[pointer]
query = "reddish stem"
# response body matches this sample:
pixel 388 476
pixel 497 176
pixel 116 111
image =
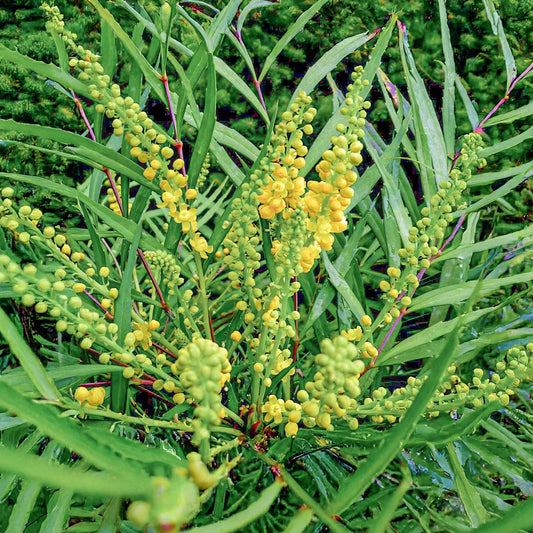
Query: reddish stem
pixel 95 384
pixel 168 352
pixel 164 305
pixel 107 314
pixel 514 81
pixel 164 79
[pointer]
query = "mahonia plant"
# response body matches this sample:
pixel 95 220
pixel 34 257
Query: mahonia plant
pixel 277 228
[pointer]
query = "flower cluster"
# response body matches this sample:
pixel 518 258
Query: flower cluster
pixel 430 229
pixel 335 385
pixel 203 369
pixel 330 196
pixel 283 188
pixel 165 262
pixel 150 144
pixel 94 397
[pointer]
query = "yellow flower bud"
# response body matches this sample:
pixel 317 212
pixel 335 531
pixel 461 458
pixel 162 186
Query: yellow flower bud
pixel 81 394
pixel 78 287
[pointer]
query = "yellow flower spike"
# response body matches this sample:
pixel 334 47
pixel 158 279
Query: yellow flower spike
pixel 191 194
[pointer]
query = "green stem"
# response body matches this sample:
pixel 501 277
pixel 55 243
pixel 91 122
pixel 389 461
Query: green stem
pixel 208 330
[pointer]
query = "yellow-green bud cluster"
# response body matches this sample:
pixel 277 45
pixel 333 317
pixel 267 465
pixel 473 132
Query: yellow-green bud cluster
pixel 173 504
pixel 278 410
pixel 335 385
pixel 273 365
pixel 454 394
pixel 291 235
pixel 166 263
pixel 58 297
pixel 203 369
pixel 89 65
pixel 243 240
pixel 430 229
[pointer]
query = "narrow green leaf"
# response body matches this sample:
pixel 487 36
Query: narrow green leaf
pixel 299 521
pixel 151 75
pixel 100 257
pixel 111 516
pixel 21 381
pixel 136 451
pixel 62 54
pixel 507 144
pixel 302 20
pixel 470 498
pixel 254 510
pixel 500 192
pixel 461 293
pixel 397 208
pixel 390 505
pixel 29 361
pixel 57 511
pixel 517 518
pixel 98 154
pixel 26 499
pixel 207 126
pixel 509 117
pixel 448 97
pixel 343 289
pixel 7 481
pixel 122 318
pixel 328 62
pixel 65 431
pixel 443 429
pixel 469 106
pixel 123 226
pixel 497 29
pixel 503 465
pixel 432 150
pixel 221 67
pixel 47 70
pixel 231 76
pixel 252 6
pixel 488 244
pixel 486 178
pixel 198 28
pixel 219 26
pixel 98 484
pixel 108 49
